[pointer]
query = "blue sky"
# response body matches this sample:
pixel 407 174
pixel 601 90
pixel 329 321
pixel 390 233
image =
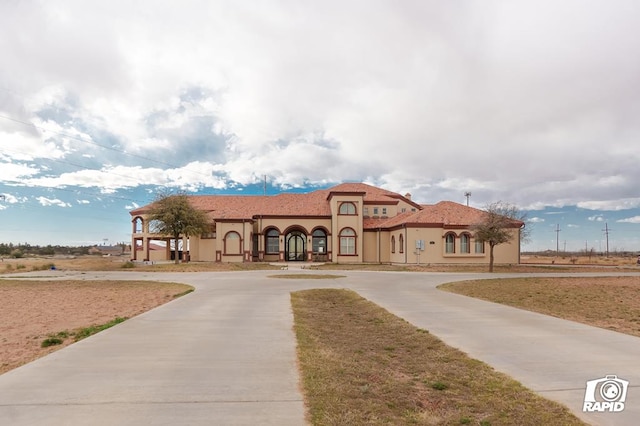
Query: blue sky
pixel 104 104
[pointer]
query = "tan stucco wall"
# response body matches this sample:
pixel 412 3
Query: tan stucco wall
pixel 507 253
pixel 371 246
pixel 347 221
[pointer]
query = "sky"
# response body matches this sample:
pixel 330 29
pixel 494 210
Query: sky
pixel 104 104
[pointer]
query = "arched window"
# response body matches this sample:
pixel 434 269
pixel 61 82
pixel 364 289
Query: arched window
pixel 393 244
pixel 319 241
pixel 272 241
pixel 347 208
pixel 479 246
pixel 137 225
pixel 450 243
pixel 401 242
pixel 232 243
pixel 465 243
pixel 347 242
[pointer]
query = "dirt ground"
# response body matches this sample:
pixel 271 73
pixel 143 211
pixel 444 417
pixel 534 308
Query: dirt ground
pixel 32 311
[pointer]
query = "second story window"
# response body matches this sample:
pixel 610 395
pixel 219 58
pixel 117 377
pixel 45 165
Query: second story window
pixel 347 208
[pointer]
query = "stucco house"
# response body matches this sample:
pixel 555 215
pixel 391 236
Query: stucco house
pixel 348 223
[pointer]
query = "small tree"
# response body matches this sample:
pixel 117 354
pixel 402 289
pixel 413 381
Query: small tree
pixel 172 214
pixel 497 226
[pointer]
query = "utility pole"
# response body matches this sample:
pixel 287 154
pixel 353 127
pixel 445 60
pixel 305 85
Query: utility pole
pixel 606 234
pixel 467 194
pixel 557 231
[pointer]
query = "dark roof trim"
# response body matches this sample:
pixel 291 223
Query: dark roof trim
pixel 350 193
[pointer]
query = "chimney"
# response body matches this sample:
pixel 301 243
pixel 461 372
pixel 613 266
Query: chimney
pixel 407 196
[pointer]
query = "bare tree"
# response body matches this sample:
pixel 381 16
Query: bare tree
pixel 497 226
pixel 172 214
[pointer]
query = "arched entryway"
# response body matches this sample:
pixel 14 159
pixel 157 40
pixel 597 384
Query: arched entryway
pixel 295 246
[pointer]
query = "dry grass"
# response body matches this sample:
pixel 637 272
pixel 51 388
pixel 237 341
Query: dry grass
pixel 307 276
pixel 115 263
pixel 566 259
pixel 607 302
pixel 522 268
pixel 362 365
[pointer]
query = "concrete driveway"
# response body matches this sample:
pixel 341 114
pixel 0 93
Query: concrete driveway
pixel 225 354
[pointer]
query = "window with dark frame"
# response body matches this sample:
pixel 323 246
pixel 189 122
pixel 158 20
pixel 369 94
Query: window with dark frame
pixel 450 243
pixel 272 241
pixel 465 243
pixel 319 241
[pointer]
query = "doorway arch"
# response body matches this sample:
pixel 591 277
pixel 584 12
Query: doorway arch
pixel 295 246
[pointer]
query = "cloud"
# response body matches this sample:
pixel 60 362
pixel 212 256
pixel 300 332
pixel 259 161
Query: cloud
pixel 634 219
pixel 596 218
pixel 421 97
pixel 15 172
pixel 132 206
pixel 52 202
pixel 611 205
pixel 83 201
pixel 12 199
pixel 536 219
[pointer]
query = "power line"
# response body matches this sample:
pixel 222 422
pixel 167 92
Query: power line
pixel 606 231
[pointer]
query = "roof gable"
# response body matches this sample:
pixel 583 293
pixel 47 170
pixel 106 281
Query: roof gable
pixel 371 194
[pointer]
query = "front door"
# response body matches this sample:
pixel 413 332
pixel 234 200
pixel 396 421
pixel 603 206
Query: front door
pixel 295 246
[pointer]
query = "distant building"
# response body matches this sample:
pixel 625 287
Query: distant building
pixel 109 250
pixel 348 223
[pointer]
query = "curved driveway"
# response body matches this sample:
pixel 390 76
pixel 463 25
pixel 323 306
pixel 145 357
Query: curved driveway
pixel 225 354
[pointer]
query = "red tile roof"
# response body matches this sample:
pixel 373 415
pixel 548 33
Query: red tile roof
pixel 443 214
pixel 316 204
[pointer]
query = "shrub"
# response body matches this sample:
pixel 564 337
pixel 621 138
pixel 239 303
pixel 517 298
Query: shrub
pixel 51 341
pixel 89 331
pixel 45 267
pixel 128 265
pixel 439 386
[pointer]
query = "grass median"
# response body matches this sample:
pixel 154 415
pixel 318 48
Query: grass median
pixel 606 302
pixel 361 365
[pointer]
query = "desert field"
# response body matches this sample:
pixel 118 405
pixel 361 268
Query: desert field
pixel 34 311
